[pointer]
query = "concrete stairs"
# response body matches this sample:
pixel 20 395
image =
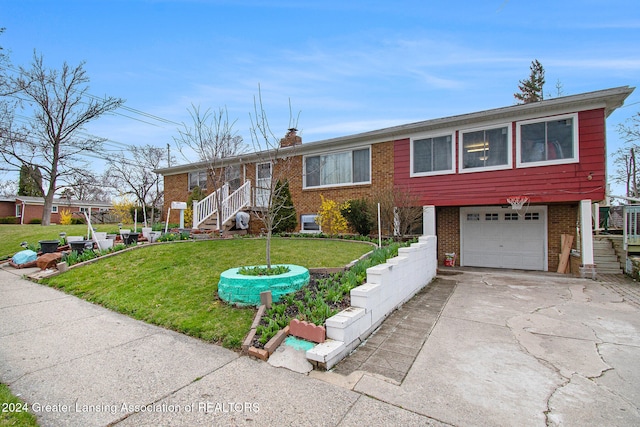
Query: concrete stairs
pixel 608 254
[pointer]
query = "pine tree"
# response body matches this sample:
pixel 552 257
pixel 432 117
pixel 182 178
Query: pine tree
pixel 531 89
pixel 30 183
pixel 286 220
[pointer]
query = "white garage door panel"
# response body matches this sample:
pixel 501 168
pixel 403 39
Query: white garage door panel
pixel 500 238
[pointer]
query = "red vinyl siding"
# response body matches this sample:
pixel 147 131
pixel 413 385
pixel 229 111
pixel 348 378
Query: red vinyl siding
pixel 543 184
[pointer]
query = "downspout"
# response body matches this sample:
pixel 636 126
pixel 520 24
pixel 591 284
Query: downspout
pixel 22 213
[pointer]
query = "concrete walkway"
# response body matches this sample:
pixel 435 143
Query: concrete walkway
pixel 509 348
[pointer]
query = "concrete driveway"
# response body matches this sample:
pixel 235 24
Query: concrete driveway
pixel 514 348
pixel 508 348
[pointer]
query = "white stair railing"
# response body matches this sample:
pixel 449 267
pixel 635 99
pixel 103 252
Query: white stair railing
pixel 231 204
pixel 235 202
pixel 208 206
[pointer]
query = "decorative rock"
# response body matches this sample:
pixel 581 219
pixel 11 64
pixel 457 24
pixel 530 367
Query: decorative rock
pixel 49 260
pixel 266 299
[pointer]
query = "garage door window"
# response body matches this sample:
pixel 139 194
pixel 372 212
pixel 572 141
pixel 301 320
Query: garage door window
pixel 511 217
pixel 491 217
pixel 473 217
pixel 532 216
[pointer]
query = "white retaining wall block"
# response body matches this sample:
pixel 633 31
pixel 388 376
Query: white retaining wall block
pixel 388 286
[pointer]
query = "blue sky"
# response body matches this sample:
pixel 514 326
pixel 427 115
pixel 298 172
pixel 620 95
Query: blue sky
pixel 345 66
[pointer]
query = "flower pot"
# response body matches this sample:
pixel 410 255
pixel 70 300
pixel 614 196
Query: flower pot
pixel 100 235
pixel 48 246
pixel 154 235
pixel 74 239
pixel 80 245
pixel 131 238
pixel 146 231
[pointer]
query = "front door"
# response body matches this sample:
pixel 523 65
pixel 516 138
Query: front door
pixel 263 184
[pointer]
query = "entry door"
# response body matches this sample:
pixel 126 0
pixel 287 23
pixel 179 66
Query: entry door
pixel 499 237
pixel 263 184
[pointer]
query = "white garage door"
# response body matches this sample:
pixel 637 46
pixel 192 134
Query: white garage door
pixel 500 237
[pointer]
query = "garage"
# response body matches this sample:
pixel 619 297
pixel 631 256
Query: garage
pixel 500 237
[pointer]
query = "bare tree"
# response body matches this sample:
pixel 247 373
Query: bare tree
pixel 211 136
pixel 83 186
pixel 133 173
pixel 400 210
pixel 626 157
pixel 60 106
pixel 277 160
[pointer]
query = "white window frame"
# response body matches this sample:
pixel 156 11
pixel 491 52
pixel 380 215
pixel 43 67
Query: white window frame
pixel 351 183
pixel 508 165
pixel 302 222
pixel 84 209
pixel 568 160
pixel 54 209
pixel 199 172
pixel 18 210
pixel 452 135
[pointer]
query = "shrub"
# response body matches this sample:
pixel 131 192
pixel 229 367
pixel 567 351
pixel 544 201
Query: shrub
pixel 264 271
pixel 76 221
pixel 358 216
pixel 65 217
pixel 329 217
pixel 285 220
pixel 35 221
pixel 9 220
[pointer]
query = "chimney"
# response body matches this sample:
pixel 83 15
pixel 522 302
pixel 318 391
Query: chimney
pixel 291 139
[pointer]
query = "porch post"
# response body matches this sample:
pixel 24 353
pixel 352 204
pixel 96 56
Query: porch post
pixel 429 220
pixel 586 234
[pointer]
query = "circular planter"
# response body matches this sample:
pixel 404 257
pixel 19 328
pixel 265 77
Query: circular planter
pixel 49 246
pixel 241 289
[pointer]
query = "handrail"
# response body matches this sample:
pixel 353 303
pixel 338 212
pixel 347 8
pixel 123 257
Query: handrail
pixel 231 204
pixel 235 202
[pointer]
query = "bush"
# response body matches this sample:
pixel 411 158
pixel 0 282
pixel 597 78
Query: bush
pixel 76 221
pixel 35 221
pixel 358 215
pixel 9 220
pixel 285 219
pixel 65 217
pixel 329 217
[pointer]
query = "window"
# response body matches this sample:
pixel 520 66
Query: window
pixel 18 211
pixel 308 224
pixel 84 209
pixel 432 155
pixel 232 177
pixel 532 216
pixel 54 209
pixel 473 217
pixel 548 142
pixel 486 149
pixel 491 217
pixel 511 216
pixel 347 167
pixel 198 179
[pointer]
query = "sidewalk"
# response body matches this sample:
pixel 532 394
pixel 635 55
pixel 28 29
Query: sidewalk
pixel 509 348
pixel 78 364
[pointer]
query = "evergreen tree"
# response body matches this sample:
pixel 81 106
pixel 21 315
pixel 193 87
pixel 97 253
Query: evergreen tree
pixel 286 219
pixel 531 89
pixel 30 183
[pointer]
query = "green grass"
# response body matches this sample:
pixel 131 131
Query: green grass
pixel 12 235
pixel 13 411
pixel 175 285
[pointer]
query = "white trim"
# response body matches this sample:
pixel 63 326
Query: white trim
pixel 508 165
pixel 302 230
pixel 568 160
pixel 54 209
pixel 344 184
pixel 419 137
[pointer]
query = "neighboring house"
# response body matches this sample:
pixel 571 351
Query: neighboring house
pixel 551 152
pixel 26 208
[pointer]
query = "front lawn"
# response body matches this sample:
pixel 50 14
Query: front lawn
pixel 175 285
pixel 12 235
